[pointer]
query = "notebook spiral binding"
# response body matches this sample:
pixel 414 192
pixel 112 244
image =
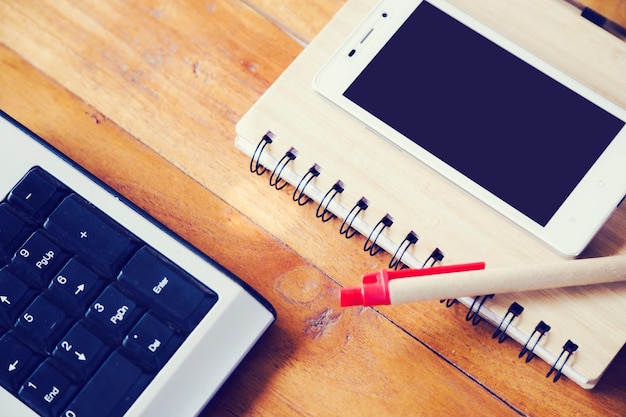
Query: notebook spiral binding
pixel 299 196
pixel 514 310
pixel 473 314
pixel 568 349
pixel 348 230
pixel 322 211
pixel 275 177
pixel 540 331
pixel 370 244
pixel 410 239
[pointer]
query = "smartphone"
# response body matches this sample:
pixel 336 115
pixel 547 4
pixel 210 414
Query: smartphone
pixel 520 135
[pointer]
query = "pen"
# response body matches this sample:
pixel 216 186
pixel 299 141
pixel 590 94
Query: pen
pixel 447 282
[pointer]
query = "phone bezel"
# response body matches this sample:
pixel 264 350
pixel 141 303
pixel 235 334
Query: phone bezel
pixel 585 210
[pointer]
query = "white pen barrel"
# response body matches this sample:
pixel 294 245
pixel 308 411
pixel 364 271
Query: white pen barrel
pixel 513 279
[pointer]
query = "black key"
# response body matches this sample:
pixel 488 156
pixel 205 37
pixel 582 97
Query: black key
pixel 80 351
pixel 89 233
pixel 13 231
pixel 37 260
pixel 166 288
pixel 36 194
pixel 17 361
pixel 113 313
pixel 14 296
pixel 152 342
pixel 47 390
pixel 41 325
pixel 75 287
pixel 111 391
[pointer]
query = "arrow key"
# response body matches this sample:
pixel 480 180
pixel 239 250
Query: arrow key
pixel 47 390
pixel 80 352
pixel 16 362
pixel 14 296
pixel 75 286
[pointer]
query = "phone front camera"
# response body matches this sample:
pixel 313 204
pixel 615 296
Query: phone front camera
pixel 384 14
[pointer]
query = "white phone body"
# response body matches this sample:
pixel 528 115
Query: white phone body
pixel 527 140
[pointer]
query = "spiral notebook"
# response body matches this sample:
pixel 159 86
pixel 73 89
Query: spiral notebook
pixel 296 139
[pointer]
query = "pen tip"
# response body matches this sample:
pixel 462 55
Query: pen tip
pixel 351 297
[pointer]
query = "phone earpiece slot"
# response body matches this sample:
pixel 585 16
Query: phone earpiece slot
pixel 367 35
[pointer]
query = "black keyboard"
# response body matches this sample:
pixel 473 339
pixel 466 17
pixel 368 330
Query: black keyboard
pixel 104 312
pixel 89 313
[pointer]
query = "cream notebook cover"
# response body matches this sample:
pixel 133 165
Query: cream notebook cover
pixel 330 158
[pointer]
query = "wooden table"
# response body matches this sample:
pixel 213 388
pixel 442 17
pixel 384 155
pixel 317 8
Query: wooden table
pixel 145 95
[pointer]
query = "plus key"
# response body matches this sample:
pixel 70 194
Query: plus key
pixel 89 233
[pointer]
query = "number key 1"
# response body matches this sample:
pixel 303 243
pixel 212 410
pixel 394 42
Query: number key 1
pixel 47 390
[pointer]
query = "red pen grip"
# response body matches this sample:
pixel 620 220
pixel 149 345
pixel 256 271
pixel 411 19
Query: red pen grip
pixel 374 289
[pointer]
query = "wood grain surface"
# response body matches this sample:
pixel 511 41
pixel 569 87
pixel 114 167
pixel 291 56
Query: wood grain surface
pixel 145 95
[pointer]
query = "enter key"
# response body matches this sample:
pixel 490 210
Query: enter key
pixel 166 289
